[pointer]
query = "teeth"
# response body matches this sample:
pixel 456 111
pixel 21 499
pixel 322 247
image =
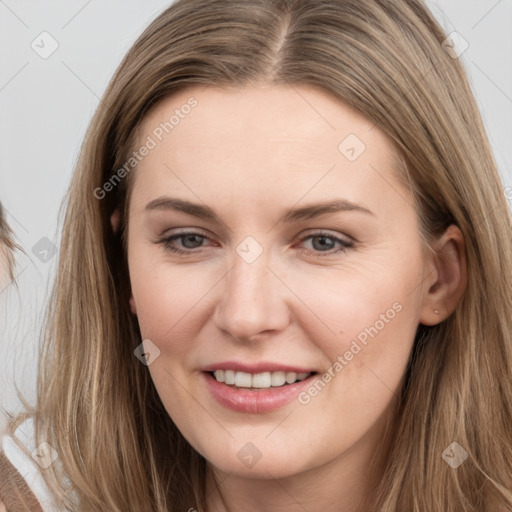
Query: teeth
pixel 243 380
pixel 229 376
pixel 277 378
pixel 258 380
pixel 291 377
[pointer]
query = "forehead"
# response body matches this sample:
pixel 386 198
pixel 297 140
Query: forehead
pixel 269 140
pixel 270 114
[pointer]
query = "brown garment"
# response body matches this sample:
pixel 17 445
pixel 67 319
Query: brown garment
pixel 15 494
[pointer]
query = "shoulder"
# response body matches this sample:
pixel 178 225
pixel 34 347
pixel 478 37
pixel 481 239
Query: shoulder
pixel 21 466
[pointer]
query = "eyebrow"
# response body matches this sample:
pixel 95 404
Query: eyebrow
pixel 308 212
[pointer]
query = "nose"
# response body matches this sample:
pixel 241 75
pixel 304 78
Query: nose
pixel 253 300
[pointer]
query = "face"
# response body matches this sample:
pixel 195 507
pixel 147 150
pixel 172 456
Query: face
pixel 270 240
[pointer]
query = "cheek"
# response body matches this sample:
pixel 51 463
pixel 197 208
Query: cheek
pixel 367 355
pixel 344 306
pixel 365 323
pixel 170 300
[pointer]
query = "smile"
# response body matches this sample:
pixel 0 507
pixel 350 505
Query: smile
pixel 256 393
pixel 263 380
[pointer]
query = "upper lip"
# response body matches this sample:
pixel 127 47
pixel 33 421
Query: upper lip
pixel 260 367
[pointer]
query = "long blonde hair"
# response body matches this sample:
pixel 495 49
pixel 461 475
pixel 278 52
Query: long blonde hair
pixel 97 405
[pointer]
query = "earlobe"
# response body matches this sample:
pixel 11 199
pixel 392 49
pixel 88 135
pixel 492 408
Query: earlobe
pixel 449 260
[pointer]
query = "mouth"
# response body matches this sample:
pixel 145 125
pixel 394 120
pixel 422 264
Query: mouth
pixel 256 386
pixel 256 392
pixel 258 381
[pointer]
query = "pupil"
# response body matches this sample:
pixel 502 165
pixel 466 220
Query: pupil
pixel 323 238
pixel 190 238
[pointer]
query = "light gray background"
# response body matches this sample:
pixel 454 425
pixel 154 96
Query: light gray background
pixel 46 104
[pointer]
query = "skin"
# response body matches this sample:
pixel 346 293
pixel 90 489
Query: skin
pixel 249 154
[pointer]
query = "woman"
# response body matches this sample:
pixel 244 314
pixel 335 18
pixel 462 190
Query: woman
pixel 203 352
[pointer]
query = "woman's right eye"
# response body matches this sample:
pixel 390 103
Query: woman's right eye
pixel 185 239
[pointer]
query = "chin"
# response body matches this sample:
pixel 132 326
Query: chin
pixel 258 460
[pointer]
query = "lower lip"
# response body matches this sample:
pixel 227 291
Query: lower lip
pixel 244 400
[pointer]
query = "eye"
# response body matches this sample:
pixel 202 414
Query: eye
pixel 324 243
pixel 190 240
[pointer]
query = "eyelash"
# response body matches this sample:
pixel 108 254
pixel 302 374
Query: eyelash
pixel 167 241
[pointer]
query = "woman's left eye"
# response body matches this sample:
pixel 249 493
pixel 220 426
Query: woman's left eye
pixel 326 242
pixel 190 241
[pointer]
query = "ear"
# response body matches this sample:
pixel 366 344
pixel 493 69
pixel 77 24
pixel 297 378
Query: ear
pixel 447 278
pixel 115 219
